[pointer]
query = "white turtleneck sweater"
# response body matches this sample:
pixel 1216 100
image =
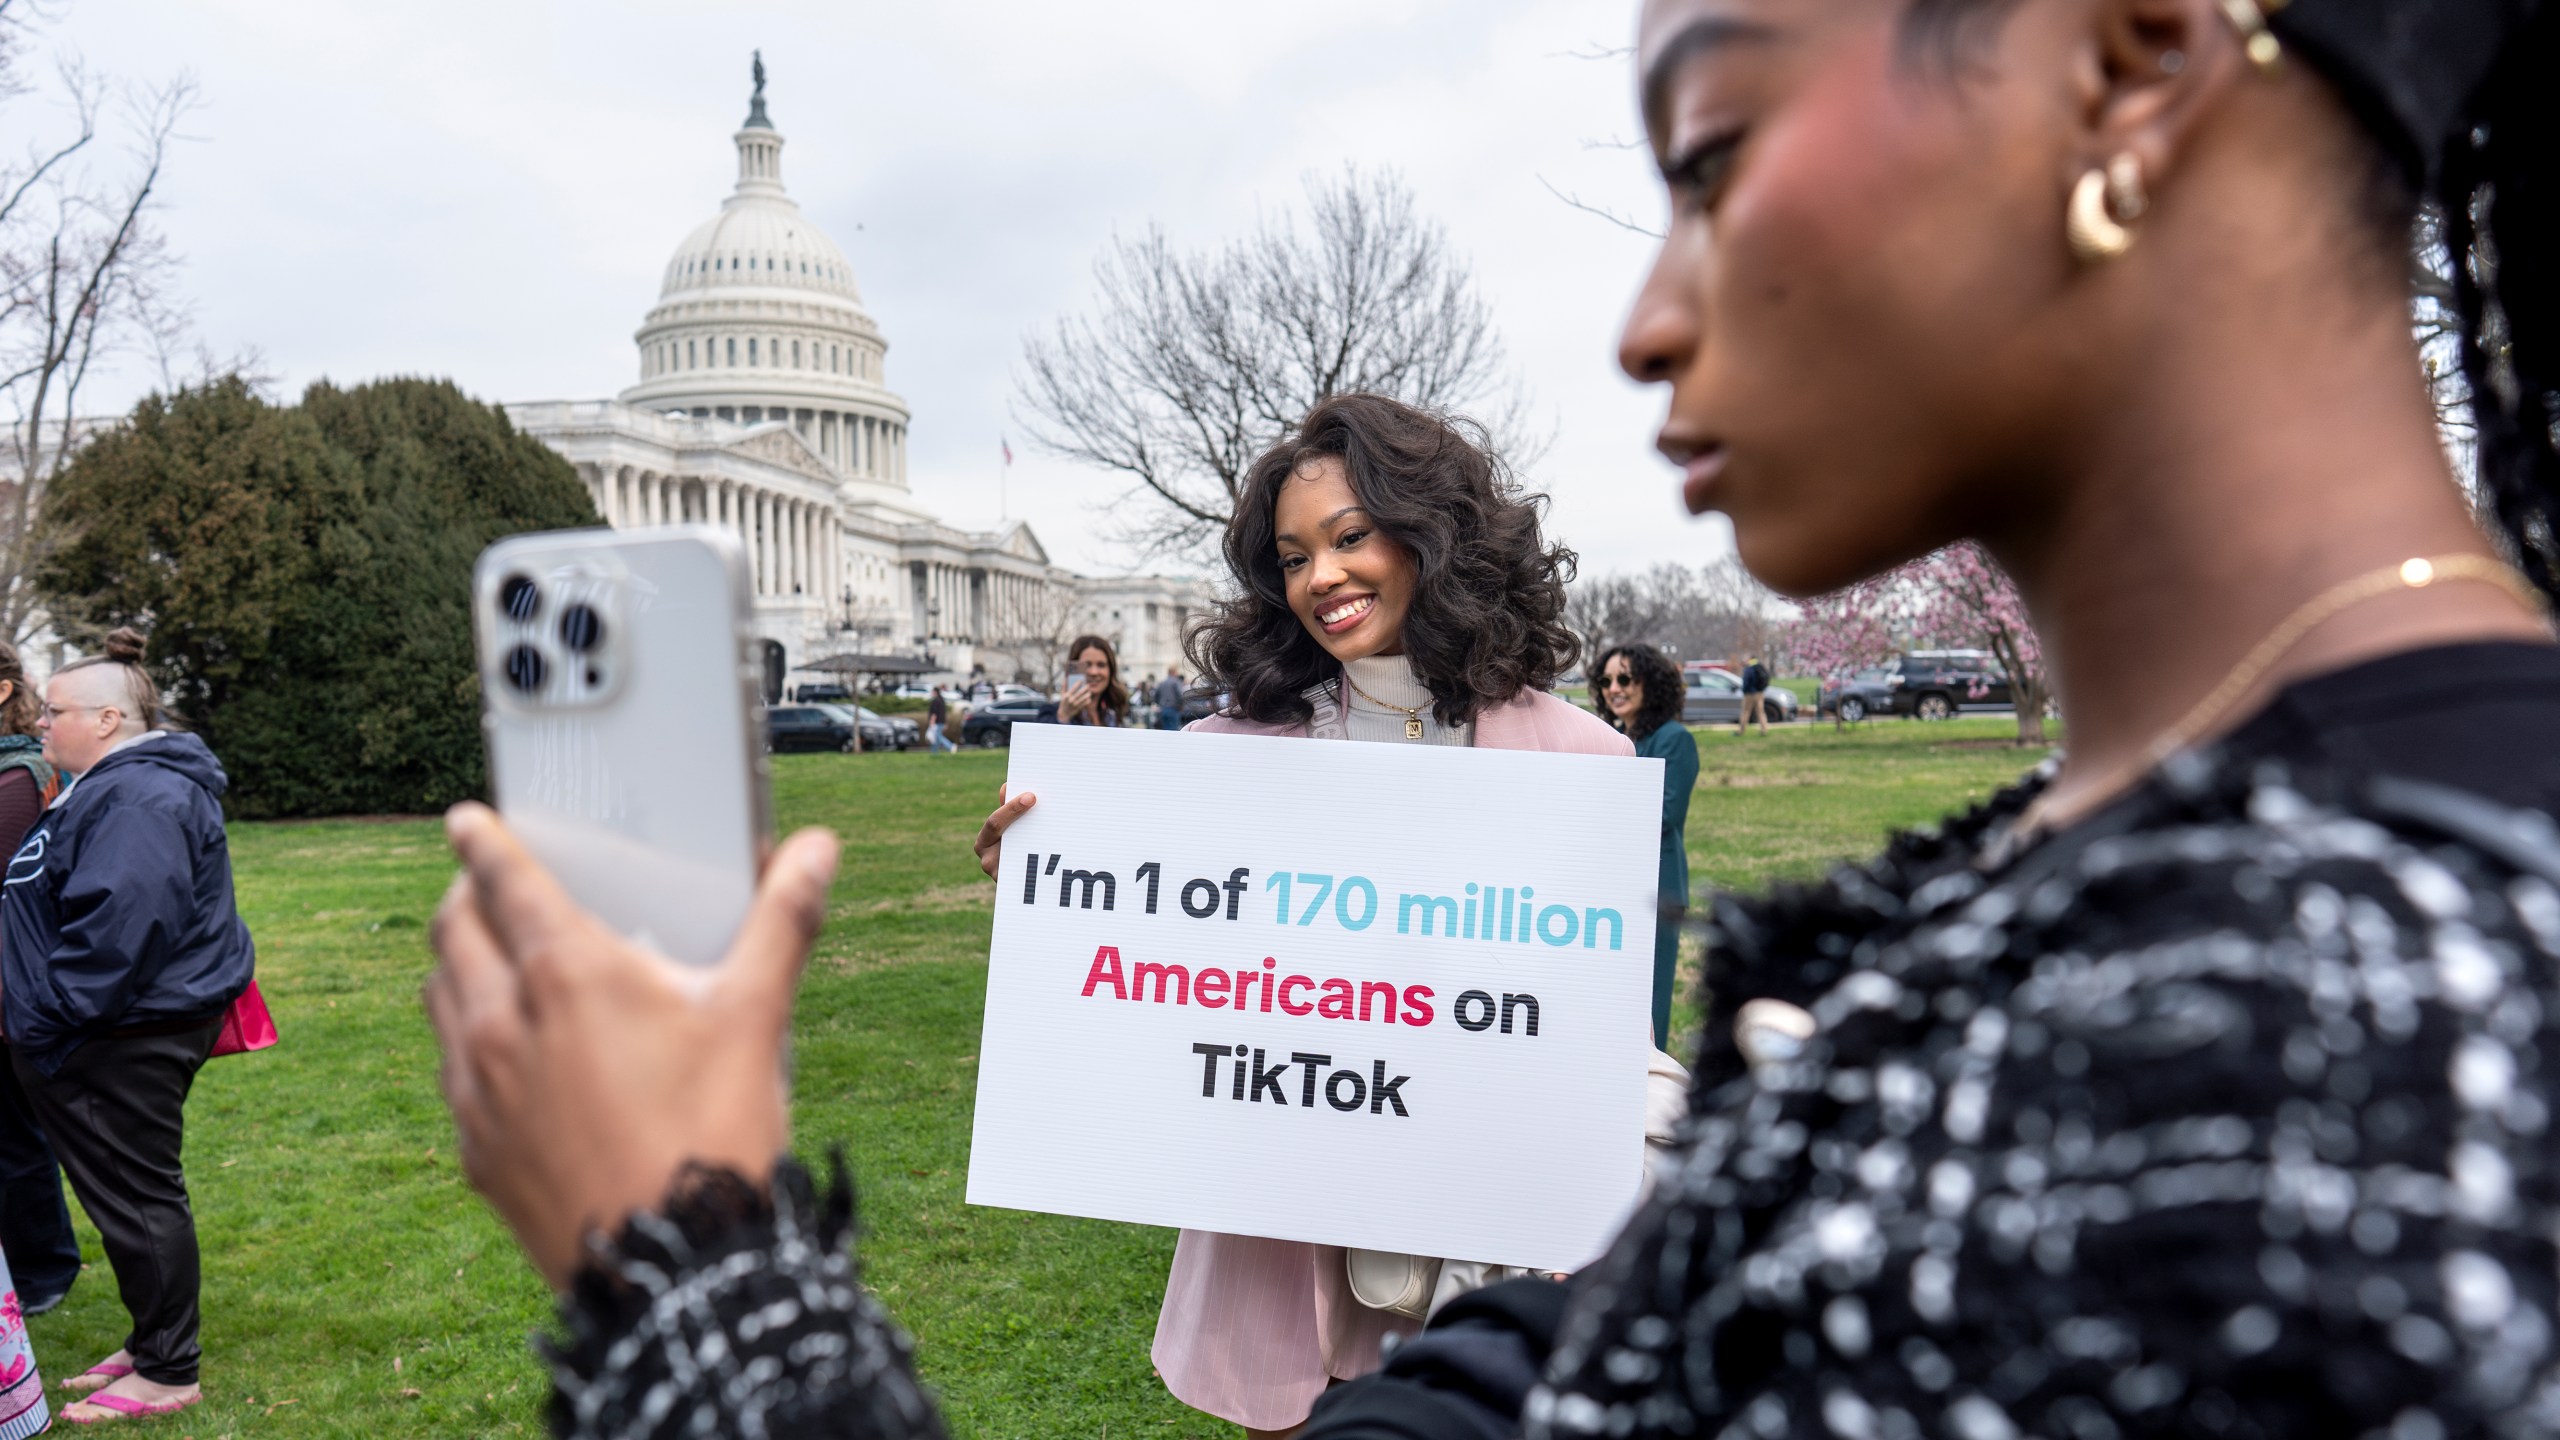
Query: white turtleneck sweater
pixel 1390 678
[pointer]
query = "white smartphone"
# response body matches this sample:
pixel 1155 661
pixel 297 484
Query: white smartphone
pixel 625 743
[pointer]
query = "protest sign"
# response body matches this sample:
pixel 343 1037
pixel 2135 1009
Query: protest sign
pixel 1387 996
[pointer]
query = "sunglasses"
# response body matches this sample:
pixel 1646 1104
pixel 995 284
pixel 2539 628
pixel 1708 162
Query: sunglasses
pixel 1619 682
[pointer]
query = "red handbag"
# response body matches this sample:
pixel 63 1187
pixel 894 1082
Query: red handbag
pixel 246 1026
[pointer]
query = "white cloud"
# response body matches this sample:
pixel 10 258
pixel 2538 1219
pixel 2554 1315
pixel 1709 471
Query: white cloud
pixel 488 190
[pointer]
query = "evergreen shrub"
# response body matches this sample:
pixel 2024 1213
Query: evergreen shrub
pixel 304 574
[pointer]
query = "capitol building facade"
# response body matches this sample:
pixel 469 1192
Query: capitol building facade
pixel 763 407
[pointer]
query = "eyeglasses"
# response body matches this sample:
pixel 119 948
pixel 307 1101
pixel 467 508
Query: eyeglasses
pixel 56 712
pixel 1619 682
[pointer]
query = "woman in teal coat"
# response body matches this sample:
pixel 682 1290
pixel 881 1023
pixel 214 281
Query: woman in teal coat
pixel 1639 692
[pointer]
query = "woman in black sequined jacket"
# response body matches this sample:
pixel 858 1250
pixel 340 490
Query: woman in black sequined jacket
pixel 2196 1086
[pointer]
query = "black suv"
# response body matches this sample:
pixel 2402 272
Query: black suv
pixel 992 725
pixel 805 727
pixel 1935 684
pixel 1868 692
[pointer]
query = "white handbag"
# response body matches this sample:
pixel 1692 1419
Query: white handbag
pixel 1415 1286
pixel 1396 1283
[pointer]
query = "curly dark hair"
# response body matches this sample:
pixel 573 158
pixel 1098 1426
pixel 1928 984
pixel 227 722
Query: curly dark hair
pixel 1487 620
pixel 1662 689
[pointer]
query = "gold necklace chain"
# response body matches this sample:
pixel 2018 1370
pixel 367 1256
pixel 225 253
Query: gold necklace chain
pixel 1412 715
pixel 2413 574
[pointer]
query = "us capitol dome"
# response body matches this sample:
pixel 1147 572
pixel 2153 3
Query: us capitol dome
pixel 763 406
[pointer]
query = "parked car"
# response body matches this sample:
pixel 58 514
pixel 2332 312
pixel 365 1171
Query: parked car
pixel 806 727
pixel 1714 697
pixel 1008 693
pixel 1854 698
pixel 992 725
pixel 1935 684
pixel 880 732
pixel 819 694
pixel 905 730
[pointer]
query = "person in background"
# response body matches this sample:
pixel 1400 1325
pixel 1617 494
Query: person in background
pixel 1640 694
pixel 1169 699
pixel 1093 694
pixel 1755 697
pixel 39 1255
pixel 120 949
pixel 937 717
pixel 35 1223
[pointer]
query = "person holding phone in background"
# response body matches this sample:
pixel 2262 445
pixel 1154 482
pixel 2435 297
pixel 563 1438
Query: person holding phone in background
pixel 1091 691
pixel 1640 694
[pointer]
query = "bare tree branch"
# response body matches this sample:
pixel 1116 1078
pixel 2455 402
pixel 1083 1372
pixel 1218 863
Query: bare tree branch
pixel 84 275
pixel 1587 208
pixel 1191 364
pixel 1714 612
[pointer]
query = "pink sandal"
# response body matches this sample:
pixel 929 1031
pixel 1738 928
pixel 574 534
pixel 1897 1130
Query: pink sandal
pixel 105 1372
pixel 127 1409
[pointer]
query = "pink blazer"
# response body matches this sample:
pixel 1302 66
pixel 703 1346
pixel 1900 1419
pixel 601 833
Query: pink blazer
pixel 1534 721
pixel 1253 1330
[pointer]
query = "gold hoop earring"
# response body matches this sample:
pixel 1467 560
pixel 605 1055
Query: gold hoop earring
pixel 2259 43
pixel 2096 232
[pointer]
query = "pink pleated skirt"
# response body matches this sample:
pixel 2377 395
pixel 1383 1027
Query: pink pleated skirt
pixel 1253 1330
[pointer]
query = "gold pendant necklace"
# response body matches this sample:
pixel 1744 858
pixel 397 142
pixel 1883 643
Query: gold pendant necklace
pixel 2412 574
pixel 1412 716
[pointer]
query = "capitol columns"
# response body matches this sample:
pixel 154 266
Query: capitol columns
pixel 797 530
pixel 837 581
pixel 771 547
pixel 792 536
pixel 800 547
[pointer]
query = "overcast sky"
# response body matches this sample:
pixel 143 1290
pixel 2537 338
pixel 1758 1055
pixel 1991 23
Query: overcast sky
pixel 488 190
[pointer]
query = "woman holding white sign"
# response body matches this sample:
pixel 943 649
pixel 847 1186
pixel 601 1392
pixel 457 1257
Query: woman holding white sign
pixel 1393 586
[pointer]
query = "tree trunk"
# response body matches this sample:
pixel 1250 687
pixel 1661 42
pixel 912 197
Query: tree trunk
pixel 2030 706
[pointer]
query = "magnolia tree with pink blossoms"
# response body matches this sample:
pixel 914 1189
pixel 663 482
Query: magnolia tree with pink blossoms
pixel 1956 598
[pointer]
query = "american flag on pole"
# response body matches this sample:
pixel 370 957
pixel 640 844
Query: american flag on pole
pixel 1008 449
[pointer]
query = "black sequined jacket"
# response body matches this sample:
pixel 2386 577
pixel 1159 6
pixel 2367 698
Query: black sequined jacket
pixel 2222 1114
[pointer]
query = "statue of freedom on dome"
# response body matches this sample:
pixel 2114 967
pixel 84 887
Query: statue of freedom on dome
pixel 755 106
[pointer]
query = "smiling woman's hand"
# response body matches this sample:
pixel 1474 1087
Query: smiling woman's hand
pixel 990 842
pixel 583 1071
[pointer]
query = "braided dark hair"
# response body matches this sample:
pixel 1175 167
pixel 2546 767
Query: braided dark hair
pixel 2499 189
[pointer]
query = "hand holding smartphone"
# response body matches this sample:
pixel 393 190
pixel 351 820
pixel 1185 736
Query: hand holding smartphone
pixel 625 742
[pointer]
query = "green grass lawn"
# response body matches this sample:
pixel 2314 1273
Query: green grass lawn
pixel 354 1286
